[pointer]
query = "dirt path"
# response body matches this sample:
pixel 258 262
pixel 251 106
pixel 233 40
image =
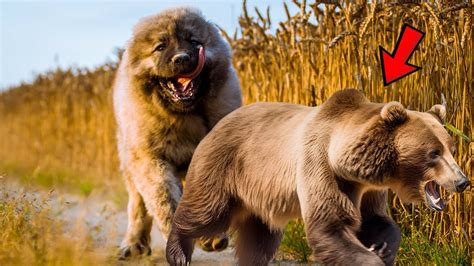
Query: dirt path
pixel 105 223
pixel 99 218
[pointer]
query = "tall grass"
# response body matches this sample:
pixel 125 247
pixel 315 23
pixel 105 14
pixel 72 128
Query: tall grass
pixel 62 122
pixel 31 236
pixel 60 128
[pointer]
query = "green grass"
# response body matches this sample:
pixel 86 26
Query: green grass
pixel 49 178
pixel 415 248
pixel 86 188
pixel 63 179
pixel 294 245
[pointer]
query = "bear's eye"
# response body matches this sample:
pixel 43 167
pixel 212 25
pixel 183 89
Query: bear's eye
pixel 435 154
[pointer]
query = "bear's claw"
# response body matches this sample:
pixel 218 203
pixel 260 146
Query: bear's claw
pixel 380 250
pixel 218 243
pixel 178 260
pixel 176 257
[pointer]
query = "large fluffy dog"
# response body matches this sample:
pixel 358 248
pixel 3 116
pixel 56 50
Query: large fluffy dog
pixel 175 82
pixel 266 163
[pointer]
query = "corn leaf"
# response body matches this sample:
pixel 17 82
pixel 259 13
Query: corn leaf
pixel 456 131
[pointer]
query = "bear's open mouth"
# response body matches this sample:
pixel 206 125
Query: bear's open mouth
pixel 184 87
pixel 433 197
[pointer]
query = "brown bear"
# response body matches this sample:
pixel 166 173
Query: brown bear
pixel 267 163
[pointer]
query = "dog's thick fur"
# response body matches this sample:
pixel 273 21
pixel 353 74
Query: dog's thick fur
pixel 267 163
pixel 157 134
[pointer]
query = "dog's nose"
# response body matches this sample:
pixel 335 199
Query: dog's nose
pixel 180 58
pixel 462 184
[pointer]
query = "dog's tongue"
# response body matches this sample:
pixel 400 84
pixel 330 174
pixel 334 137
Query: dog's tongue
pixel 184 80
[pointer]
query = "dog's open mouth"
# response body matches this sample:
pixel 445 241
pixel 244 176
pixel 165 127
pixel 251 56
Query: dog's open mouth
pixel 433 197
pixel 184 87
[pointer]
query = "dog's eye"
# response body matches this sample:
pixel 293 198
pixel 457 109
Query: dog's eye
pixel 195 42
pixel 160 47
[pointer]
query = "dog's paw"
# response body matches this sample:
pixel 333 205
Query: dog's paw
pixel 217 243
pixel 134 250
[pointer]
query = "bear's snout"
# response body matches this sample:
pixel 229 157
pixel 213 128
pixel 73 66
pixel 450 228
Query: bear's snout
pixel 462 185
pixel 463 182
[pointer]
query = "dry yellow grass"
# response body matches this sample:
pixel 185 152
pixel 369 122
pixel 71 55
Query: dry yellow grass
pixel 61 129
pixel 62 123
pixel 31 235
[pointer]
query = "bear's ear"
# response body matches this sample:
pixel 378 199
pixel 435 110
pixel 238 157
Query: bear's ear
pixel 439 111
pixel 393 113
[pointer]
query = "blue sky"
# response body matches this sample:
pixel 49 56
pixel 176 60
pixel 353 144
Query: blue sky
pixel 39 35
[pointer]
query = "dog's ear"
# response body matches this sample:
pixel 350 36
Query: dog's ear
pixel 438 111
pixel 393 113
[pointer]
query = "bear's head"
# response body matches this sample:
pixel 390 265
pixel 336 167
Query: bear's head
pixel 424 155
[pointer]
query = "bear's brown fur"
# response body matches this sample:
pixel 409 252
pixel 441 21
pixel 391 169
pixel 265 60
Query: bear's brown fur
pixel 266 163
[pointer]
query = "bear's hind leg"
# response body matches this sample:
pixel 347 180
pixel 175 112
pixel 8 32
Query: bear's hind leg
pixel 378 231
pixel 256 243
pixel 198 215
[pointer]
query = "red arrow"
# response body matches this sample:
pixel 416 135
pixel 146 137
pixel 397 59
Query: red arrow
pixel 395 66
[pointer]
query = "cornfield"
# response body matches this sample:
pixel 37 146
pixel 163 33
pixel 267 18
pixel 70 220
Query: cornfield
pixel 62 123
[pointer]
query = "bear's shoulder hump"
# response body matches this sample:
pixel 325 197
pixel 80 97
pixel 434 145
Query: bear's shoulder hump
pixel 346 97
